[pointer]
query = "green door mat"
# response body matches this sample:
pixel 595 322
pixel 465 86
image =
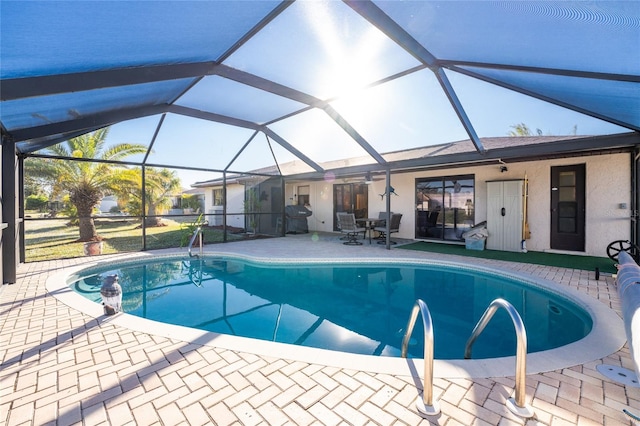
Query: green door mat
pixel 586 263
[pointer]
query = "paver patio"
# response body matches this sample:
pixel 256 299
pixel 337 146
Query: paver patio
pixel 63 367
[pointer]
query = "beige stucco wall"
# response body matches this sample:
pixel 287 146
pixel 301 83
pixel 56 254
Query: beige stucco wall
pixel 235 205
pixel 608 184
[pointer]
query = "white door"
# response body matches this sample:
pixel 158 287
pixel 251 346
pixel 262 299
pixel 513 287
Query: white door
pixel 504 215
pixel 512 231
pixel 494 215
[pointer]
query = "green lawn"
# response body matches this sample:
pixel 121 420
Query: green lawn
pixel 54 238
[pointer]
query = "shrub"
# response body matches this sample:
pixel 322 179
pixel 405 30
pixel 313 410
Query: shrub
pixel 190 202
pixel 36 202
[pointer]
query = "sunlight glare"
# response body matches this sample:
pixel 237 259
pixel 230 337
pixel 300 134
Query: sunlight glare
pixel 351 57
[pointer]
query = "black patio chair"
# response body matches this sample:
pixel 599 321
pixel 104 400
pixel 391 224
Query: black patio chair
pixel 394 226
pixel 349 227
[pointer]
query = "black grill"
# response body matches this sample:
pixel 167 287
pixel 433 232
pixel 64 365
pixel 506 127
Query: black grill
pixel 297 219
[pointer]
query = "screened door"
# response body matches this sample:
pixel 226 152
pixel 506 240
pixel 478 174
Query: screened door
pixel 568 207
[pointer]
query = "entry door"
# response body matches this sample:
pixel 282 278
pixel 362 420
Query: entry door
pixel 568 207
pixel 350 198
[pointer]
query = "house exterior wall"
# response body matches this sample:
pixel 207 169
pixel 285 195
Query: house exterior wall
pixel 608 184
pixel 235 206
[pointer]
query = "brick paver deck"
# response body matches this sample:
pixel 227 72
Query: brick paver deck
pixel 62 367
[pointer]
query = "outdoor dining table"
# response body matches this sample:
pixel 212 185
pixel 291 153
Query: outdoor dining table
pixel 370 223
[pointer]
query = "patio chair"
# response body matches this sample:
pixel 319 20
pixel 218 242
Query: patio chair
pixel 338 225
pixel 394 226
pixel 382 222
pixel 432 224
pixel 349 227
pixel 382 217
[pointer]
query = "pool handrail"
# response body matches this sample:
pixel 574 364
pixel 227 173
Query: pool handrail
pixel 425 405
pixel 197 232
pixel 518 406
pixel 196 277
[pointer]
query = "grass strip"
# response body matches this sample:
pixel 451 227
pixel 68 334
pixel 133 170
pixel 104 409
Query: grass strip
pixel 586 263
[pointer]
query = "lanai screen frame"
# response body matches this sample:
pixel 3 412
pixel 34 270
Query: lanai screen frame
pixel 610 78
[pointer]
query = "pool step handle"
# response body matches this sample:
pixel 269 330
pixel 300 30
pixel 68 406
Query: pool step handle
pixel 518 406
pixel 425 405
pixel 196 233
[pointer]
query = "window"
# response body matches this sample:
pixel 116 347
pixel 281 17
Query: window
pixel 303 195
pixel 444 207
pixel 216 196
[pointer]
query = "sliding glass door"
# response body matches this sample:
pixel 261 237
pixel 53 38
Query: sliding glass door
pixel 444 207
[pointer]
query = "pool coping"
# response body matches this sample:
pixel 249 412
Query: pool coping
pixel 606 337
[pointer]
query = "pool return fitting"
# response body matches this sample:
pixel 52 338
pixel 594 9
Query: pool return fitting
pixel 426 404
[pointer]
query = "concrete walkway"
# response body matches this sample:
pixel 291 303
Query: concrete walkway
pixel 63 367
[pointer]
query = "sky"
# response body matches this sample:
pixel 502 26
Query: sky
pixel 420 116
pixel 328 51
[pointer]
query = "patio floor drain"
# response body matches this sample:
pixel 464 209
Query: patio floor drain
pixel 619 374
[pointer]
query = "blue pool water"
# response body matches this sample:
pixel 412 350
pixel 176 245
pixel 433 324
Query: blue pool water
pixel 360 308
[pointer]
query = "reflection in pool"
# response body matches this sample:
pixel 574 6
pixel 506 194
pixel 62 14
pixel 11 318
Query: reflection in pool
pixel 358 308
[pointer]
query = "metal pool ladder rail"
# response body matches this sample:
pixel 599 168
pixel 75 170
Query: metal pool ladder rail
pixel 196 233
pixel 195 276
pixel 518 406
pixel 425 405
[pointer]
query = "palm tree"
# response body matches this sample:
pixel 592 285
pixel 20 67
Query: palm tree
pixel 521 129
pixel 160 184
pixel 86 182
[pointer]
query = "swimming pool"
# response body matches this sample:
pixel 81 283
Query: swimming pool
pixel 358 307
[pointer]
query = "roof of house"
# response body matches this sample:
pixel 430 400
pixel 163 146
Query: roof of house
pixel 503 149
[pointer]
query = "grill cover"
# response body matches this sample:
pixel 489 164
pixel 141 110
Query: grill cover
pixel 297 219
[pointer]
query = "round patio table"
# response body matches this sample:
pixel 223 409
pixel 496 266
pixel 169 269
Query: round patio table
pixel 370 223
